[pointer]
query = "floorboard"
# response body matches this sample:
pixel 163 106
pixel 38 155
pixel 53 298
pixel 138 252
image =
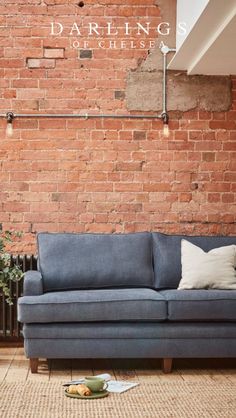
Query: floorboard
pixel 15 367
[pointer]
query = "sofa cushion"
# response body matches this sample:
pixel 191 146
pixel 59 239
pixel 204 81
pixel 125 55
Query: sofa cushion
pixel 200 305
pixel 93 305
pixel 167 255
pixel 207 270
pixel 80 261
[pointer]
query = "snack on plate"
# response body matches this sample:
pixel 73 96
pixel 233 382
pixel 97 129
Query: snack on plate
pixel 72 389
pixel 83 390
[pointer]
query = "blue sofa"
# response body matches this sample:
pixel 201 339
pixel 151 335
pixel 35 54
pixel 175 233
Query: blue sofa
pixel 115 296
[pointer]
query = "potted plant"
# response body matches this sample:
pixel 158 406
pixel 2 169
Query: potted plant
pixel 9 272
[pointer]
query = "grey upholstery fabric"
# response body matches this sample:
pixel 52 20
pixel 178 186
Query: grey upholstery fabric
pixel 130 348
pixel 33 283
pixel 93 305
pixel 201 305
pixel 80 261
pixel 130 330
pixel 167 255
pixel 123 317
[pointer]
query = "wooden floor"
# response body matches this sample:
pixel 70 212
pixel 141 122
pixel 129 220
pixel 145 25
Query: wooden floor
pixel 15 367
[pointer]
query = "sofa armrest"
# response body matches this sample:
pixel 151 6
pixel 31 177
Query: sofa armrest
pixel 33 283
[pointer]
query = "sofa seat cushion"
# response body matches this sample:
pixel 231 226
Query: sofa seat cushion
pixel 201 305
pixel 93 305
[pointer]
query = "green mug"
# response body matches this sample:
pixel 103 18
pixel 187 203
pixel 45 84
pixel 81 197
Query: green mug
pixel 95 384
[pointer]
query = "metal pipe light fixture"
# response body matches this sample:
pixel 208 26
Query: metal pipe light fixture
pixel 10 116
pixel 9 129
pixel 165 117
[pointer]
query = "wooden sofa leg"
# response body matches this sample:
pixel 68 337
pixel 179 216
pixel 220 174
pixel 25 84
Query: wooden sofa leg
pixel 34 365
pixel 167 365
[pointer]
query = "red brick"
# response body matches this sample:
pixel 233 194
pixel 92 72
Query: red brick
pixel 35 74
pixel 192 114
pixel 157 187
pixel 129 166
pixel 54 52
pixel 207 146
pixel 19 32
pixel 99 227
pixel 41 63
pixel 194 125
pixel 231 115
pixel 52 124
pixel 230 177
pixel 185 197
pixel 217 187
pixel 102 175
pixel 219 115
pixel 24 94
pixel 229 146
pixel 181 135
pixel 16 207
pixel 140 135
pixel 228 125
pixel 99 187
pixel 11 63
pixel 9 93
pixel 25 83
pixel 228 197
pixel 214 197
pixel 203 115
pixel 208 156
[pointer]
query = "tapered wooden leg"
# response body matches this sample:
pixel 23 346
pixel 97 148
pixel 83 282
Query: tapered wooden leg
pixel 34 365
pixel 167 365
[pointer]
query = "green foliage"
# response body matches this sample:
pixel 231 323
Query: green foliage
pixel 8 272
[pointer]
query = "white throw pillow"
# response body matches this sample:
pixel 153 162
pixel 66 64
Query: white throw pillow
pixel 212 270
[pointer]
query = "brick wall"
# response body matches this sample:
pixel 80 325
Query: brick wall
pixel 102 175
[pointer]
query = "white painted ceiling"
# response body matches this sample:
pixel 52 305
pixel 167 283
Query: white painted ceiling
pixel 210 46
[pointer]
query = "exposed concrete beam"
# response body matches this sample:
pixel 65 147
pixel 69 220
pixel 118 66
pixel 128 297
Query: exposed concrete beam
pixel 144 92
pixel 218 57
pixel 213 21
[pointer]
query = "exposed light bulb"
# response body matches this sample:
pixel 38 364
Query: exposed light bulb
pixel 9 130
pixel 166 131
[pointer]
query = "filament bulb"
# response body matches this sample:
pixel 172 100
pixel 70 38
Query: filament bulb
pixel 9 130
pixel 166 131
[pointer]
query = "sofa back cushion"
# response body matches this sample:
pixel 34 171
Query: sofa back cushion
pixel 167 255
pixel 83 261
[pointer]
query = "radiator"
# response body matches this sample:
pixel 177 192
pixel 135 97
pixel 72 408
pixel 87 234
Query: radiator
pixel 10 328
